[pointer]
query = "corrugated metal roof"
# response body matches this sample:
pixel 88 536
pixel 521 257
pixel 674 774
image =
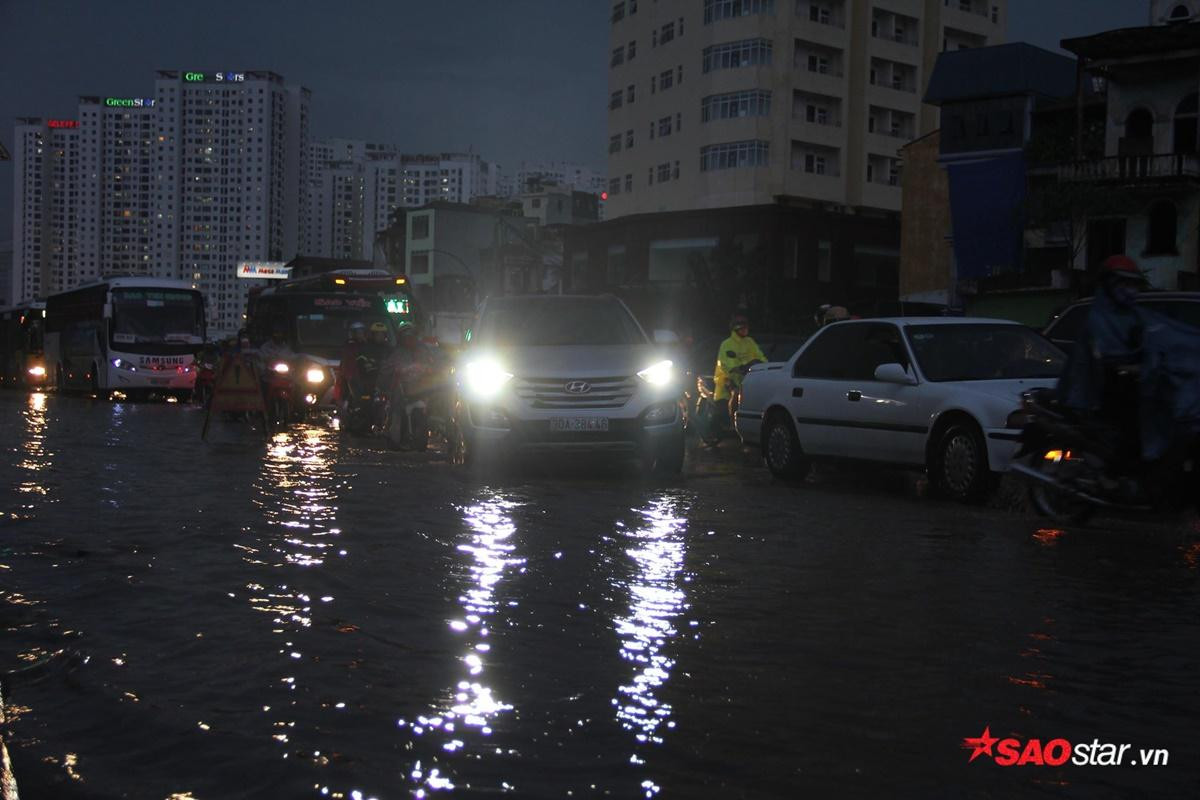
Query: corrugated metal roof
pixel 1001 71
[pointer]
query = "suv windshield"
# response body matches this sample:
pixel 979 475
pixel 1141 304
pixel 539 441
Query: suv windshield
pixel 143 316
pixel 558 321
pixel 982 352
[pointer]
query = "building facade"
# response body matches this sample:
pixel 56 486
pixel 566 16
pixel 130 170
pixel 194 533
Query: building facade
pixel 738 102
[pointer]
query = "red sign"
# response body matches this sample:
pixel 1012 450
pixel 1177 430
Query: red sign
pixel 62 123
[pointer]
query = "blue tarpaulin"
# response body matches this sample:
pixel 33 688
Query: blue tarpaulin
pixel 987 199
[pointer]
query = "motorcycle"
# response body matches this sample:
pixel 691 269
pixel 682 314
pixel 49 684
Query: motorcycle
pixel 1076 464
pixel 206 376
pixel 711 417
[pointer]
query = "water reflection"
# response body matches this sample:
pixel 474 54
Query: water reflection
pixel 656 599
pixel 33 456
pixel 296 492
pixel 465 717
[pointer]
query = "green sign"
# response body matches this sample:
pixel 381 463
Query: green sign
pixel 397 305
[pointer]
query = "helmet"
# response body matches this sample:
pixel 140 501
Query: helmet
pixel 1121 267
pixel 378 327
pixel 738 320
pixel 836 314
pixel 357 326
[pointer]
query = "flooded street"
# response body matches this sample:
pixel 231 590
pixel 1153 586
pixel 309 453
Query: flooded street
pixel 320 617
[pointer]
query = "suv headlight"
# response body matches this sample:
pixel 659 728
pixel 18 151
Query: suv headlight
pixel 659 374
pixel 484 378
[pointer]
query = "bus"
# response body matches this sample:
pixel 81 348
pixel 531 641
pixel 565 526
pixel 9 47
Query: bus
pixel 132 335
pixel 22 328
pixel 315 314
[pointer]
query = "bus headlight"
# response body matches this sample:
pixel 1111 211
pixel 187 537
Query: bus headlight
pixel 315 375
pixel 125 365
pixel 37 371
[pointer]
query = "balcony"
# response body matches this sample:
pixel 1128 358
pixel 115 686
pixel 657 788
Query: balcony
pixel 1132 169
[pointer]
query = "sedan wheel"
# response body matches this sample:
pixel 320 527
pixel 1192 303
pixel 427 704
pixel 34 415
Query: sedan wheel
pixel 960 466
pixel 781 449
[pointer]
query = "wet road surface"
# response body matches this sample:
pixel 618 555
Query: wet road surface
pixel 318 616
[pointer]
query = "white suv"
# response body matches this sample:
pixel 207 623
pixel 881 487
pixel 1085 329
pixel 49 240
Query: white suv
pixel 566 373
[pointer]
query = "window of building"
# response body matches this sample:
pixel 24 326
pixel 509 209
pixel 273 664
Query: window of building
pixel 1186 118
pixel 629 93
pixel 653 83
pixel 629 182
pixel 631 50
pixel 666 80
pixel 667 33
pixel 814 164
pixel 419 263
pixel 731 55
pixel 614 143
pixel 755 103
pixel 1162 230
pixel 715 10
pixel 734 155
pixel 664 172
pixel 618 56
pixel 420 227
pixel 820 14
pixel 818 63
pixel 650 176
pixel 1180 12
pixel 616 100
pixel 818 114
pixel 614 186
pixel 664 127
pixel 632 7
pixel 618 12
pixel 629 139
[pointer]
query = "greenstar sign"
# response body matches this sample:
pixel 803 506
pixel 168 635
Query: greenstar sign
pixel 129 102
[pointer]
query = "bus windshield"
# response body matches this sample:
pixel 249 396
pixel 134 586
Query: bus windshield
pixel 149 316
pixel 330 329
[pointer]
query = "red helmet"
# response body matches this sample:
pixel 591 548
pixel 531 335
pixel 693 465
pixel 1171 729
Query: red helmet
pixel 1121 266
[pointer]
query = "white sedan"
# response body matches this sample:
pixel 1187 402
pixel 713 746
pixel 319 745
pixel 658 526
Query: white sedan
pixel 927 392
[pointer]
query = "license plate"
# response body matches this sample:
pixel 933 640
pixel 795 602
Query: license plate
pixel 159 381
pixel 578 424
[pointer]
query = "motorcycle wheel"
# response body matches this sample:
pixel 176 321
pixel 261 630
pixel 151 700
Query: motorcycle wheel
pixel 1054 503
pixel 279 414
pixel 706 422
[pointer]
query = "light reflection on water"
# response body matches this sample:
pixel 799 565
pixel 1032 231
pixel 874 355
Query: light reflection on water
pixel 656 598
pixel 465 717
pixel 296 492
pixel 34 457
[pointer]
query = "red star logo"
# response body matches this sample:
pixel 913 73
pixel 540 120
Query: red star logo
pixel 981 744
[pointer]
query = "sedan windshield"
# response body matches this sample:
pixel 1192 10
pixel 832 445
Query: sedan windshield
pixel 157 316
pixel 983 352
pixel 559 322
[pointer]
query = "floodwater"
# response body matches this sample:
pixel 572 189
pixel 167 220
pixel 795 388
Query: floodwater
pixel 316 616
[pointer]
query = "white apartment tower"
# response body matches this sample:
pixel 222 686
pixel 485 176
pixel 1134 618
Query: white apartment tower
pixel 186 184
pixel 718 103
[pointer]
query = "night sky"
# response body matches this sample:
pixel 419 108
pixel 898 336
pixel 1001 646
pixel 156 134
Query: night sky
pixel 508 79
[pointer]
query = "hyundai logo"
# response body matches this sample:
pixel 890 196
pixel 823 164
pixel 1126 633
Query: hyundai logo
pixel 578 387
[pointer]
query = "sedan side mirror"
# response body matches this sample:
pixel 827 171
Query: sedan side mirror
pixel 894 373
pixel 665 337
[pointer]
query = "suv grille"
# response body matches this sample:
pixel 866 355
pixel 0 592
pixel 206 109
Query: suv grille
pixel 552 392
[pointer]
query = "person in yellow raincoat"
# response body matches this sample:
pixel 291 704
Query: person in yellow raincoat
pixel 735 356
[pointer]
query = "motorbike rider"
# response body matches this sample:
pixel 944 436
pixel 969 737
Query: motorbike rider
pixel 276 349
pixel 734 358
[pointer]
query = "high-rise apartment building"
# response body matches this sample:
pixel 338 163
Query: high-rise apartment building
pixel 186 184
pixel 745 102
pixel 565 174
pixel 355 188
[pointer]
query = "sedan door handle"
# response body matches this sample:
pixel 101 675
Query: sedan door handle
pixel 798 391
pixel 854 395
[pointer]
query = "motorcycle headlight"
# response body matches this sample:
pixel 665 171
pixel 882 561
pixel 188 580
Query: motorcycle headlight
pixel 484 378
pixel 281 368
pixel 37 371
pixel 659 374
pixel 315 375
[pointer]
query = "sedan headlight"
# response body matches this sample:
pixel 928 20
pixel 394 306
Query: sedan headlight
pixel 484 378
pixel 281 368
pixel 659 374
pixel 315 375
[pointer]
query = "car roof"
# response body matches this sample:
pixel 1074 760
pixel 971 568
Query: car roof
pixel 908 321
pixel 1190 297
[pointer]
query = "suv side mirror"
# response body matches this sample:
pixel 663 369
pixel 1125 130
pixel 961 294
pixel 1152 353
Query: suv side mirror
pixel 894 373
pixel 665 337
